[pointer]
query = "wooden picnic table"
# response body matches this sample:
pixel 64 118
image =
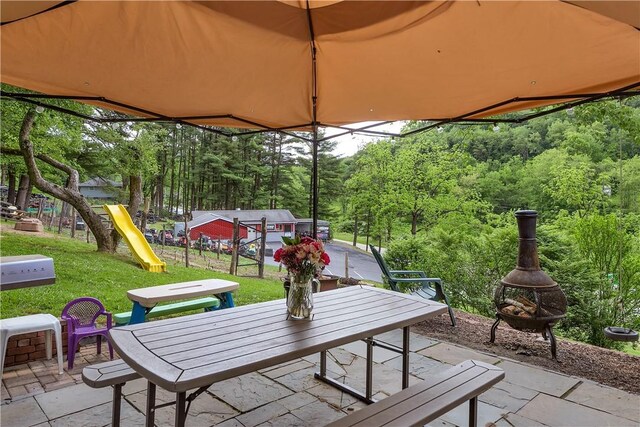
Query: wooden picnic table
pixel 193 352
pixel 145 299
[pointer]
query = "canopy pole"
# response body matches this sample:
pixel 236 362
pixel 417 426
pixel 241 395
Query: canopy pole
pixel 314 123
pixel 314 178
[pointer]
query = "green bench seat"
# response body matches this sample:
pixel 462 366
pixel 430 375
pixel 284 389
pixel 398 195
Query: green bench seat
pixel 208 303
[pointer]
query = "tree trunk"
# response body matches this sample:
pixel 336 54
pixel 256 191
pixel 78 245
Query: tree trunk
pixel 355 231
pixel 70 193
pixel 368 223
pixel 23 190
pixel 11 177
pixel 135 195
pixel 414 223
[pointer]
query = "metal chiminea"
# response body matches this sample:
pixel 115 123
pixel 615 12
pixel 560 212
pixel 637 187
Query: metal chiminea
pixel 527 298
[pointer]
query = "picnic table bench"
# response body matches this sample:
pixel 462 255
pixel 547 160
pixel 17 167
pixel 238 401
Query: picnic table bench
pixel 113 373
pixel 424 402
pixel 146 300
pixel 413 406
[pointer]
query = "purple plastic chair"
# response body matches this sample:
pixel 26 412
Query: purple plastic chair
pixel 81 315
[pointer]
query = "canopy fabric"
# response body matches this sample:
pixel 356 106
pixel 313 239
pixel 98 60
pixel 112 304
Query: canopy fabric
pixel 375 61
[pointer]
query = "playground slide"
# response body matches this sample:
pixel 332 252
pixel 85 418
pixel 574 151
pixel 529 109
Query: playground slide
pixel 135 239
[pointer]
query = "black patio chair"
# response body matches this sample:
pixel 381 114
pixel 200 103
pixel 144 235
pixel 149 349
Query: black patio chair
pixel 427 287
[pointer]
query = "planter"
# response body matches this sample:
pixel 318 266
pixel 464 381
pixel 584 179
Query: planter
pixel 328 283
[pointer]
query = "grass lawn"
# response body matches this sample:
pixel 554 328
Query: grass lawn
pixel 348 237
pixel 631 349
pixel 82 271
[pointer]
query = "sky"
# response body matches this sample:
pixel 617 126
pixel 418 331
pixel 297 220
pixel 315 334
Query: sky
pixel 348 145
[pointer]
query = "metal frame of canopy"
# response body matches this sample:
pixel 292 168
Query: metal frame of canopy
pixel 572 101
pixel 565 101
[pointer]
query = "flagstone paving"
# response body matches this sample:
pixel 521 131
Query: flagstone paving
pixel 34 395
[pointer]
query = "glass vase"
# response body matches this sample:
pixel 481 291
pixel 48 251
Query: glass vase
pixel 300 299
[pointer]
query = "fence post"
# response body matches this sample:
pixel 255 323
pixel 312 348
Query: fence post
pixel 218 250
pixel 186 238
pixel 263 243
pixel 234 251
pixel 73 224
pixel 200 244
pixel 62 212
pixel 53 212
pixel 346 265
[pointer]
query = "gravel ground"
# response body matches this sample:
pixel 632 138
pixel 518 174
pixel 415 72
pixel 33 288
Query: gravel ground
pixel 613 368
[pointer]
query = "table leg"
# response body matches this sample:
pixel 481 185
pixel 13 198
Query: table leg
pixel 151 403
pixel 226 300
pixel 405 356
pixel 138 313
pixel 322 376
pixel 323 363
pixel 367 396
pixel 47 344
pixel 369 375
pixel 117 403
pixel 473 412
pixel 181 413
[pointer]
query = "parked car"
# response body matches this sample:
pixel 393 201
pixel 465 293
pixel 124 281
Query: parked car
pixel 181 241
pixel 7 210
pixel 324 234
pixel 226 247
pixel 80 225
pixel 207 243
pixel 149 237
pixel 168 238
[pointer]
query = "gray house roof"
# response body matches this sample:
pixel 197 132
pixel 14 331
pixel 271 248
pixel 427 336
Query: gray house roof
pixel 274 216
pixel 310 221
pixel 99 188
pixel 100 182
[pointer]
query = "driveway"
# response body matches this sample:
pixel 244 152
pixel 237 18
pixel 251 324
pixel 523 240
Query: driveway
pixel 361 265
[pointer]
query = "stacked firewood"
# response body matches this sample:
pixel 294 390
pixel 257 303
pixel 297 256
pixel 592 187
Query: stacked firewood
pixel 521 306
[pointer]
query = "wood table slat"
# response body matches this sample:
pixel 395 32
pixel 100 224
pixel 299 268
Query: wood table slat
pixel 215 324
pixel 283 334
pixel 204 318
pixel 331 338
pixel 223 334
pixel 187 364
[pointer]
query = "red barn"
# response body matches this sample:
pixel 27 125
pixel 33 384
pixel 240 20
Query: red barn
pixel 280 222
pixel 213 226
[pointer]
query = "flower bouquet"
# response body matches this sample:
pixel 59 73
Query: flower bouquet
pixel 304 258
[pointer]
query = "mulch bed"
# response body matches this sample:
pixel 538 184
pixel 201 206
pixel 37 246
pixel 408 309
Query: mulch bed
pixel 613 368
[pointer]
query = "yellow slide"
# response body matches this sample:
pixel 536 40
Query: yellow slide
pixel 135 239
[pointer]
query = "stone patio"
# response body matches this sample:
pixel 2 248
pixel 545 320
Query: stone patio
pixel 288 395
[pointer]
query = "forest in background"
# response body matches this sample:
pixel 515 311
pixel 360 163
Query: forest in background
pixel 440 201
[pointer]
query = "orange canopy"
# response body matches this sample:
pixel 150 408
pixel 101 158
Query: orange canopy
pixel 251 63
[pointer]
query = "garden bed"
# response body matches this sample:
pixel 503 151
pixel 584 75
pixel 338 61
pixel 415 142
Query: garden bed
pixel 613 368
